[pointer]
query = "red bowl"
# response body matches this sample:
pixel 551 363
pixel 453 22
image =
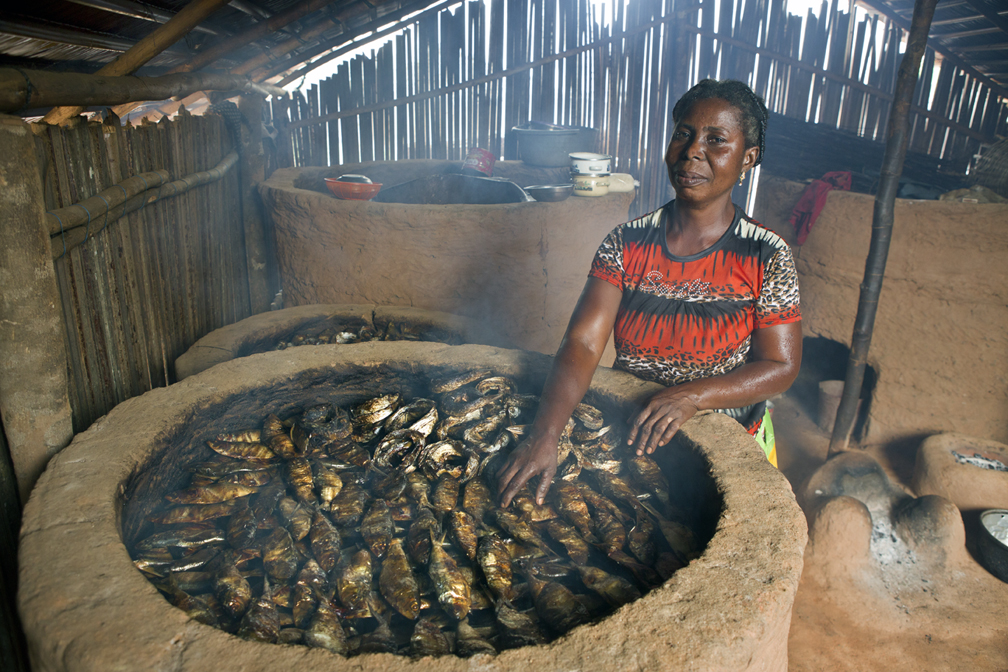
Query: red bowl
pixel 352 191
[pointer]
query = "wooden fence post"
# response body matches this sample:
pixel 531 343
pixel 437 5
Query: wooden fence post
pixel 897 140
pixel 253 171
pixel 34 402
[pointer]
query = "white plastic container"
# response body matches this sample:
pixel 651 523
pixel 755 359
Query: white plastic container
pixel 590 163
pixel 591 185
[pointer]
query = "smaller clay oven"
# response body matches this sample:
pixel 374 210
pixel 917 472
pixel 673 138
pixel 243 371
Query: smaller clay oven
pixel 264 331
pixel 85 606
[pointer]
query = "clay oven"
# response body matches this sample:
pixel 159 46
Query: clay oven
pixel 516 267
pixel 85 606
pixel 263 331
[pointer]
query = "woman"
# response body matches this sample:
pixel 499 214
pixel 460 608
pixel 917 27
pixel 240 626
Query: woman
pixel 702 299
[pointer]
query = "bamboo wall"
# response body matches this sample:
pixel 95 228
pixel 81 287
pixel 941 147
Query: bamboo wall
pixel 142 288
pixel 463 78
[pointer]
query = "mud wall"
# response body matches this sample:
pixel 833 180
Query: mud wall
pixel 518 267
pixel 940 344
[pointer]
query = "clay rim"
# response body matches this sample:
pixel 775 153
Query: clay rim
pixel 260 332
pixel 71 528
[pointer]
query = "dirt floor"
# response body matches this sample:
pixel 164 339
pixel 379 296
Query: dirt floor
pixel 851 613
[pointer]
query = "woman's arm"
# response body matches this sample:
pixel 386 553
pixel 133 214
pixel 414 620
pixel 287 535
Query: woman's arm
pixel 579 354
pixel 774 359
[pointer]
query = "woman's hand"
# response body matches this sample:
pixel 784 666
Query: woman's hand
pixel 774 359
pixel 535 456
pixel 664 414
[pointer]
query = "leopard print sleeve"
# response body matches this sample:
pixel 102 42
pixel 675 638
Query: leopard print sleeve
pixel 778 301
pixel 608 262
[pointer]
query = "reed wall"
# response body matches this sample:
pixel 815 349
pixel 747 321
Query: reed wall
pixel 462 77
pixel 142 288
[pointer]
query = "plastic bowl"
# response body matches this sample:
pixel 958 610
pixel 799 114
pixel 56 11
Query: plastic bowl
pixel 352 191
pixel 350 177
pixel 550 192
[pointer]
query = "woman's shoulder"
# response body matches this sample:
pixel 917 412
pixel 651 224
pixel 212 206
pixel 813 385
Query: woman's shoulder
pixel 748 229
pixel 641 229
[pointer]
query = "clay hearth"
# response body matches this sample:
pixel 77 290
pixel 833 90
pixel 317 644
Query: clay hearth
pixel 517 267
pixel 85 607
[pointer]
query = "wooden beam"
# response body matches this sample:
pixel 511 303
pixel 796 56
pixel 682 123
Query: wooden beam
pixel 956 19
pixel 265 68
pixel 1001 46
pixel 135 10
pixel 64 35
pixel 990 14
pixel 256 12
pixel 284 48
pixel 29 89
pixel 257 32
pixel 958 35
pixel 149 47
pixel 349 35
pixel 897 141
pixel 253 172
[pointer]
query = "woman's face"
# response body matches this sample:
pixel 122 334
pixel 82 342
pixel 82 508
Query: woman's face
pixel 707 152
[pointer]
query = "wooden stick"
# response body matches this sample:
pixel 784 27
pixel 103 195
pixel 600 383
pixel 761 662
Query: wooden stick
pixel 26 89
pixel 282 50
pixel 78 222
pixel 163 37
pixel 258 31
pixel 110 200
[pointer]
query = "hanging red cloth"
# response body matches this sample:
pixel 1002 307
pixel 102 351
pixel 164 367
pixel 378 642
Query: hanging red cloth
pixel 813 199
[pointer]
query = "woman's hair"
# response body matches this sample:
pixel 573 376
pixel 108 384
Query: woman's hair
pixel 737 94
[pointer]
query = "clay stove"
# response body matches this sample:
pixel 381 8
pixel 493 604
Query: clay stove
pixel 516 267
pixel 84 606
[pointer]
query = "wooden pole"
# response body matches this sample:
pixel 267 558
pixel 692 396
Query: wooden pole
pixel 253 171
pixel 163 37
pixel 284 48
pixel 259 31
pixel 26 89
pixel 897 138
pixel 34 403
pixel 74 224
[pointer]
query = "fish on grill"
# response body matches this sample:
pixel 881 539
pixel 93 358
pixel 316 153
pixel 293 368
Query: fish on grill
pixel 451 588
pixel 373 528
pixel 261 622
pixel 377 527
pixel 397 583
pixel 353 584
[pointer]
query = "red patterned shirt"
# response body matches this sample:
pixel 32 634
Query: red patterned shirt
pixel 686 318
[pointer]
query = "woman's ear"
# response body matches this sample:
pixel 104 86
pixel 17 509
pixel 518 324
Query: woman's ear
pixel 751 155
